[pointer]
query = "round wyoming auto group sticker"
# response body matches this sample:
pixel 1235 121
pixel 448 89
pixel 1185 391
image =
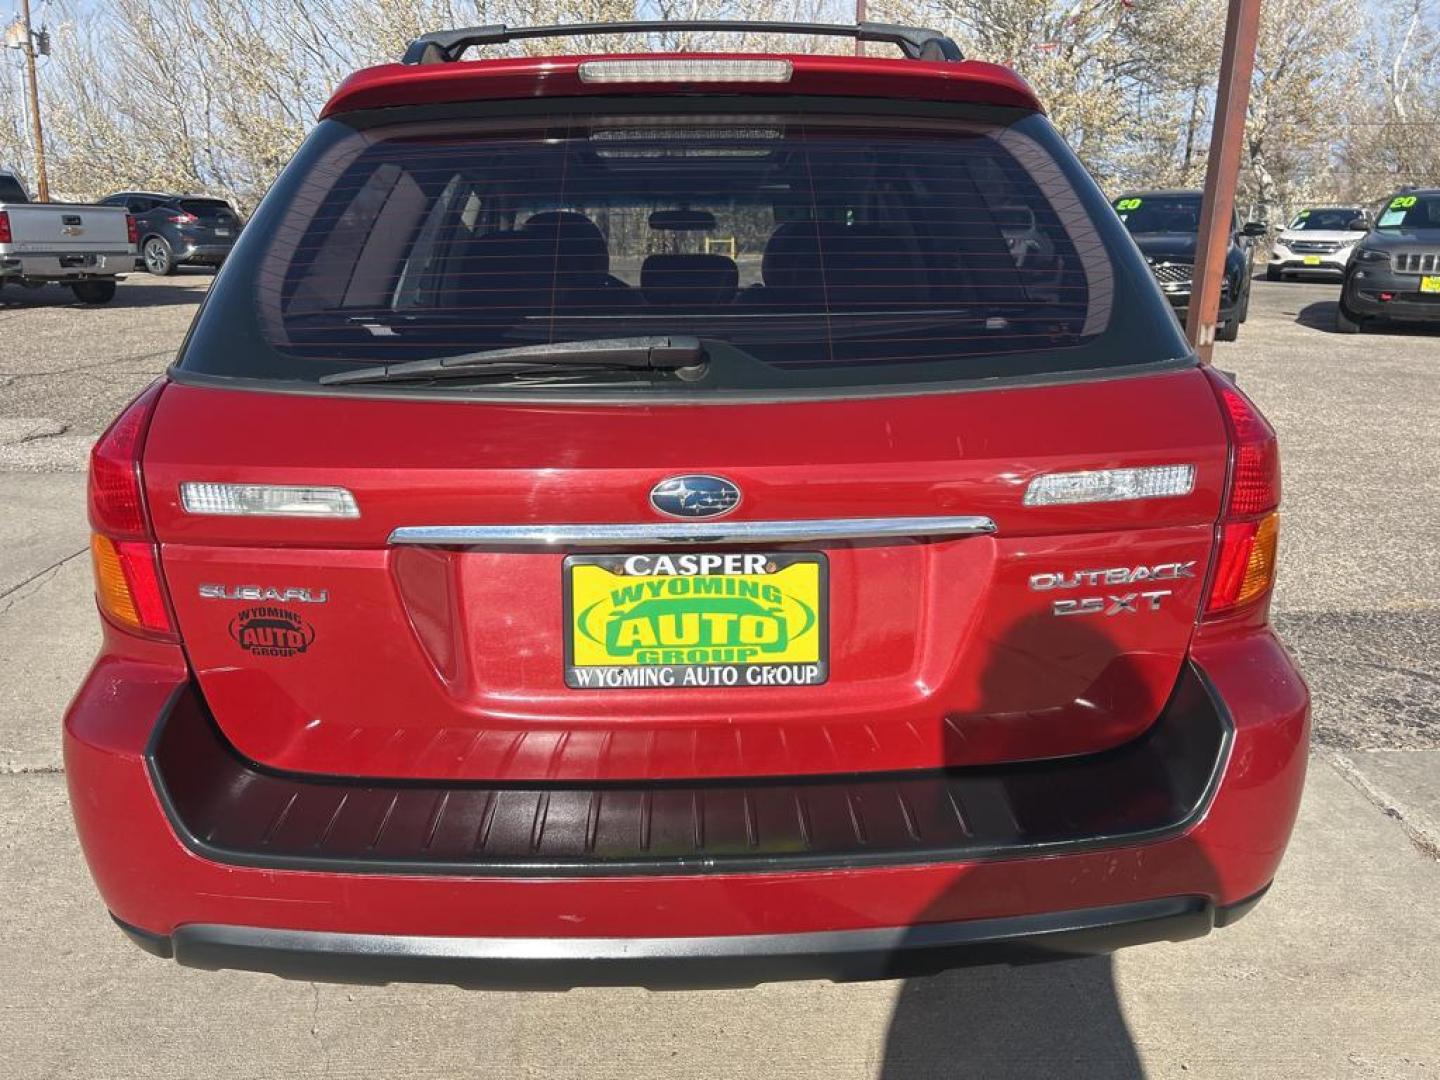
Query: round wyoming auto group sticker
pixel 695 619
pixel 271 631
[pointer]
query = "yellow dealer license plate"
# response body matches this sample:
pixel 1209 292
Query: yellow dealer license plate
pixel 692 619
pixel 1312 260
pixel 1430 284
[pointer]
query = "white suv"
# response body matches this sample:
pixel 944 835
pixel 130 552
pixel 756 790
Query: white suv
pixel 1319 241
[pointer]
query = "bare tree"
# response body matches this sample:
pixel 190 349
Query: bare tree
pixel 216 95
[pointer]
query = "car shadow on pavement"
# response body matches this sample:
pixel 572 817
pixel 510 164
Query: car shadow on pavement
pixel 1057 1017
pixel 1318 316
pixel 137 290
pixel 148 292
pixel 1053 1019
pixel 1321 316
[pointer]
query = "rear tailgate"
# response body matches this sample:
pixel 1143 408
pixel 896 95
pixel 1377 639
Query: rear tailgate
pixel 214 222
pixel 48 228
pixel 450 662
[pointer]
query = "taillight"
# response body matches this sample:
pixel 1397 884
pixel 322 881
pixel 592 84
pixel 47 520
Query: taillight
pixel 132 230
pixel 183 218
pixel 1243 570
pixel 6 236
pixel 126 558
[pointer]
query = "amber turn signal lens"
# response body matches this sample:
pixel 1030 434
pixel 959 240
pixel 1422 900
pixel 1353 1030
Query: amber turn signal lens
pixel 1260 566
pixel 111 588
pixel 127 585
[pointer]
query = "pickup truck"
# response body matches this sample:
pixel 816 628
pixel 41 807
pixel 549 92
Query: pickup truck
pixel 82 247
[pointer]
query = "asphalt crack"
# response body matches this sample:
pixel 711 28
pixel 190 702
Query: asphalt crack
pixel 14 376
pixel 11 596
pixel 60 428
pixel 8 768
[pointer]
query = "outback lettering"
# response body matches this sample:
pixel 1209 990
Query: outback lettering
pixel 1118 575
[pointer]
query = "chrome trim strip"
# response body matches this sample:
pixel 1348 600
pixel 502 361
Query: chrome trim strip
pixel 690 532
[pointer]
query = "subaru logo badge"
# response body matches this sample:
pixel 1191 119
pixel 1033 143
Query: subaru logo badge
pixel 695 496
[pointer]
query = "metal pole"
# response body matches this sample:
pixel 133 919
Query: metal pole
pixel 42 181
pixel 859 18
pixel 1237 65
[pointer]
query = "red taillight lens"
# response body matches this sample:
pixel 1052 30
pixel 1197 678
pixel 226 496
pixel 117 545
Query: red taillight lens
pixel 6 236
pixel 1255 472
pixel 1243 571
pixel 184 219
pixel 132 229
pixel 117 505
pixel 128 584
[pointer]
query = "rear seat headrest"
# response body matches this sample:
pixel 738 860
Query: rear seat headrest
pixel 792 256
pixel 689 279
pixel 579 245
pixel 849 264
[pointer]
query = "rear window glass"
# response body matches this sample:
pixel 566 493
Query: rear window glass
pixel 206 207
pixel 11 191
pixel 804 251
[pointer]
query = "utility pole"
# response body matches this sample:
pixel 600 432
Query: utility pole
pixel 1222 172
pixel 859 18
pixel 42 181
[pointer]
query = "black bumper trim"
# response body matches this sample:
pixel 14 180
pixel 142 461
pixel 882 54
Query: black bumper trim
pixel 230 810
pixel 687 962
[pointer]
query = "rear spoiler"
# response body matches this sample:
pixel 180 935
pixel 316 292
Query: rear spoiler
pixel 447 46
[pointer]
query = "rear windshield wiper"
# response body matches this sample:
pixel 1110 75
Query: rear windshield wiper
pixel 683 355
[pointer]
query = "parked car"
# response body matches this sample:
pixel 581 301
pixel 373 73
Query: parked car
pixel 1317 243
pixel 499 591
pixel 1394 272
pixel 1166 226
pixel 179 230
pixel 84 248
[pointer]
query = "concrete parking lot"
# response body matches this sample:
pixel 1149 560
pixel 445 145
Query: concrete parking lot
pixel 1336 974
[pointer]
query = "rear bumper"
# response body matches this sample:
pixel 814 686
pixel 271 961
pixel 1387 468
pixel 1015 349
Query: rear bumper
pixel 206 254
pixel 689 962
pixel 849 914
pixel 66 266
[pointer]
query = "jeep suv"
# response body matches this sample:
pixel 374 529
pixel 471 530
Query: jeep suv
pixel 1166 227
pixel 1394 271
pixel 683 519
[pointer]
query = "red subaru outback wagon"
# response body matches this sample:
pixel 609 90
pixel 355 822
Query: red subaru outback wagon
pixel 683 520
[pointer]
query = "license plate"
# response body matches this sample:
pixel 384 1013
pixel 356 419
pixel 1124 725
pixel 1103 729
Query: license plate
pixel 1312 260
pixel 1430 284
pixel 696 619
pixel 222 232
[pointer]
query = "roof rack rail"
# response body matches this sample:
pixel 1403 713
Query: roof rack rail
pixel 916 43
